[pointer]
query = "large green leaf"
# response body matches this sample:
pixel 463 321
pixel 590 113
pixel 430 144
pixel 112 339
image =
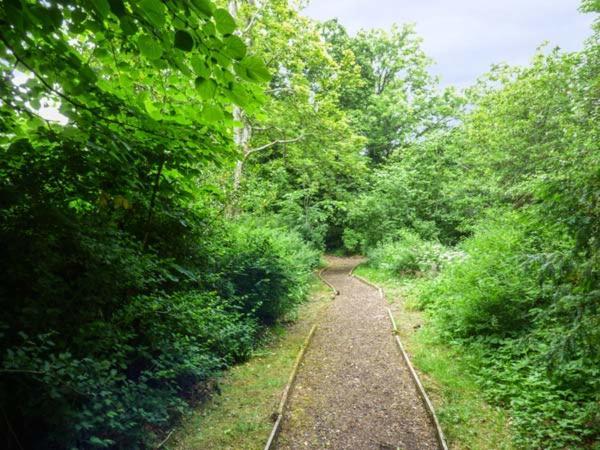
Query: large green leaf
pixel 149 47
pixel 212 113
pixel 225 23
pixel 204 6
pixel 235 47
pixel 207 87
pixel 256 69
pixel 200 67
pixel 238 95
pixel 154 11
pixel 183 40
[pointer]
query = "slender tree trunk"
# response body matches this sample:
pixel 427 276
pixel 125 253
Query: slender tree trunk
pixel 155 187
pixel 241 134
pixel 241 138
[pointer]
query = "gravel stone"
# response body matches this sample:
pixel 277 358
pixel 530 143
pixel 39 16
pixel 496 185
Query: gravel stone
pixel 353 390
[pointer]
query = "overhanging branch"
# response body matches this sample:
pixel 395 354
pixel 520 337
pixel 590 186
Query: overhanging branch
pixel 271 144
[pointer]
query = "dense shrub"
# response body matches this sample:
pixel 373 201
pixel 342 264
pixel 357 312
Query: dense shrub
pixel 155 352
pixel 104 343
pixel 504 303
pixel 409 254
pixel 493 290
pixel 422 189
pixel 266 269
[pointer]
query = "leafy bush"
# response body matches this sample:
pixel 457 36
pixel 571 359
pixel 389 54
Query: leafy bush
pixel 545 411
pixel 409 254
pixel 424 190
pixel 266 270
pixel 535 342
pixel 100 376
pixel 105 342
pixel 154 353
pixel 493 290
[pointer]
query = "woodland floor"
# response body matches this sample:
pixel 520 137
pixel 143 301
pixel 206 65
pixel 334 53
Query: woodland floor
pixel 352 390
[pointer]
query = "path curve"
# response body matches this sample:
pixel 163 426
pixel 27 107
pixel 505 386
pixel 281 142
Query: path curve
pixel 352 390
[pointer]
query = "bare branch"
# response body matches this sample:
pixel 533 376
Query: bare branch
pixel 22 371
pixel 251 22
pixel 271 144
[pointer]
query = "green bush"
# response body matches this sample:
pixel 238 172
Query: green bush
pixel 509 302
pixel 156 352
pixel 423 190
pixel 493 290
pixel 266 270
pixel 409 254
pixel 104 342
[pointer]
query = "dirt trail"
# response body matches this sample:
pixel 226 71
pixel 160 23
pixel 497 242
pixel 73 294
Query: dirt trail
pixel 352 390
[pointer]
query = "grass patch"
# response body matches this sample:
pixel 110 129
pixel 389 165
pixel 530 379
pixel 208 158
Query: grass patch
pixel 467 420
pixel 241 416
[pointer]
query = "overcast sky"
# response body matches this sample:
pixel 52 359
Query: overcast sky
pixel 465 37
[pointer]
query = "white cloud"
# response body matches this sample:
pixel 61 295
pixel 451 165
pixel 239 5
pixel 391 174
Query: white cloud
pixel 465 37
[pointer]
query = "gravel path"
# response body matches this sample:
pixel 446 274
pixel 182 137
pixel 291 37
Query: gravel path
pixel 352 390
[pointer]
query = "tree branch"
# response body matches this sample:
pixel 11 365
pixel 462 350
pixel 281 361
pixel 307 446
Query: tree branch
pixel 251 22
pixel 68 99
pixel 271 144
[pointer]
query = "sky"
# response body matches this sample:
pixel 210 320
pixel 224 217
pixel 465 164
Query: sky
pixel 465 37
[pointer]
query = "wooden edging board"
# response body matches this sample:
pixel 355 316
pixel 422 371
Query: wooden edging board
pixel 292 378
pixel 287 389
pixel 428 405
pixel 333 289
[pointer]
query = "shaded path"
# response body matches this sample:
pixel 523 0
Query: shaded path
pixel 352 390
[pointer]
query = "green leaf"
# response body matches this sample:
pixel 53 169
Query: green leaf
pixel 212 113
pixel 238 95
pixel 200 67
pixel 128 25
pixel 242 72
pixel 225 23
pixel 184 40
pixel 256 69
pixel 235 47
pixel 152 110
pixel 209 29
pixel 117 7
pixel 204 6
pixel 154 11
pixel 102 7
pixel 222 60
pixel 207 87
pixel 150 48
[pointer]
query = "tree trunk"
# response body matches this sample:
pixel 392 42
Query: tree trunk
pixel 241 136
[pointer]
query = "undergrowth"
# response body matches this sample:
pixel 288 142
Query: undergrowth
pixel 500 305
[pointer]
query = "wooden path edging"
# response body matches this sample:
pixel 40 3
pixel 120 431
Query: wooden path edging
pixel 428 405
pixel 286 391
pixel 333 289
pixel 292 378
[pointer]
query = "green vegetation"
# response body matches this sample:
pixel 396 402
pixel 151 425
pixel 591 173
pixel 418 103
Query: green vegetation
pixel 209 151
pixel 241 416
pixel 125 290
